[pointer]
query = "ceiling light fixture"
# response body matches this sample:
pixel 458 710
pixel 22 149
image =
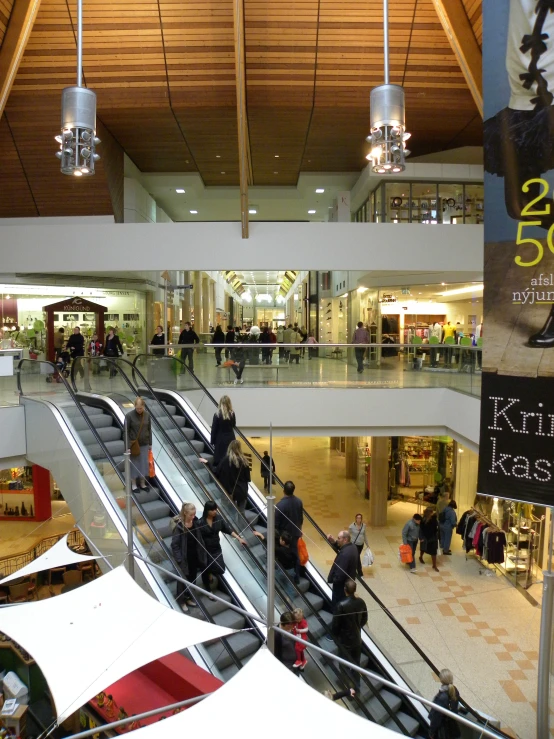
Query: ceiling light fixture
pixel 320 190
pixel 78 140
pixel 180 191
pixel 463 290
pixel 276 156
pixel 252 211
pixel 311 212
pixel 193 212
pixel 387 118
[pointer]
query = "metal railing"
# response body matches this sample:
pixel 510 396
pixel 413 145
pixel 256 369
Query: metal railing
pixel 313 523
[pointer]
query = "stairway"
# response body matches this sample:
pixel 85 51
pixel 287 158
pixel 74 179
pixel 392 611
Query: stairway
pixel 158 515
pixel 317 608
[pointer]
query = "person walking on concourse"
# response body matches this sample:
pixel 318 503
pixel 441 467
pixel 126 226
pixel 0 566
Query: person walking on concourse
pixel 188 336
pixel 410 535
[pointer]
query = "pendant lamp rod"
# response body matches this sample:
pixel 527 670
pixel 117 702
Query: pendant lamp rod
pixel 80 43
pixel 385 39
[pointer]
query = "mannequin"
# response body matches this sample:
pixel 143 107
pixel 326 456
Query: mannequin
pixel 497 513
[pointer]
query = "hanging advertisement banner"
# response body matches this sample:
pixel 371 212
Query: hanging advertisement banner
pixel 516 456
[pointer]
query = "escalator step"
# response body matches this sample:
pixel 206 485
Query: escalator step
pixel 155 511
pixel 214 607
pixel 316 602
pixel 304 585
pixel 250 516
pixel 164 527
pixel 410 724
pixel 147 496
pixel 242 644
pixel 228 672
pixel 99 421
pixel 378 712
pixel 231 619
pixel 106 433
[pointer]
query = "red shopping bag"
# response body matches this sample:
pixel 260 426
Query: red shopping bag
pixel 406 554
pixel 151 465
pixel 303 552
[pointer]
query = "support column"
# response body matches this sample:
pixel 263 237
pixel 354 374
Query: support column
pixel 187 299
pixel 351 457
pixel 42 488
pixel 205 304
pixel 151 319
pixel 379 481
pixel 198 304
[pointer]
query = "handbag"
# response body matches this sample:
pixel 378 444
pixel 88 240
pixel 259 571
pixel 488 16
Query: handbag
pixel 151 465
pixel 135 446
pixel 405 553
pixel 368 559
pixel 303 552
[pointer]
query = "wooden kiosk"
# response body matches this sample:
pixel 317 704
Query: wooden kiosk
pixel 77 307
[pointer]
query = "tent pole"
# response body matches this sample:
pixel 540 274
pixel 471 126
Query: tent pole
pixel 270 551
pixel 129 512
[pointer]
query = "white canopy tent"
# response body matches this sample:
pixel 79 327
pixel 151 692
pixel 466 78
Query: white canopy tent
pixel 265 699
pixel 88 638
pixel 59 555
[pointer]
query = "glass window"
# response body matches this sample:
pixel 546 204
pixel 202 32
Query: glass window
pixel 397 202
pixel 424 202
pixel 473 205
pixel 451 203
pixel 371 215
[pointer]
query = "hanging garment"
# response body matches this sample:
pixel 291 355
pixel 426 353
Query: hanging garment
pixel 496 544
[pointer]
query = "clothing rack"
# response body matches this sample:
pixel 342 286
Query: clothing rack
pixel 484 567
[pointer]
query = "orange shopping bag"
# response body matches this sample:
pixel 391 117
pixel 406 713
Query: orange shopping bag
pixel 303 552
pixel 405 554
pixel 151 465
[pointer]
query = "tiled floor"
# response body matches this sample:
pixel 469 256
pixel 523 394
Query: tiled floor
pixel 478 625
pixel 19 536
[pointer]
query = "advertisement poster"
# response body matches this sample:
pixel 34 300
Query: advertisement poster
pixel 516 458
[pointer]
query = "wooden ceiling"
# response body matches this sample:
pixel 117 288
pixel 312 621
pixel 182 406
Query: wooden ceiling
pixel 164 74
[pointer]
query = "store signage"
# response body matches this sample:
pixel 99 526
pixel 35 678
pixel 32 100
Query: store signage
pixel 388 298
pixel 516 450
pixel 78 305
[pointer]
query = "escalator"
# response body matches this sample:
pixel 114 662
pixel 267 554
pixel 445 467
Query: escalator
pixel 182 394
pixel 79 437
pixel 184 442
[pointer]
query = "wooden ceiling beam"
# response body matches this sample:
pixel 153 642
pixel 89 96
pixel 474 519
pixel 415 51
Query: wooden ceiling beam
pixel 245 157
pixel 459 32
pixel 20 25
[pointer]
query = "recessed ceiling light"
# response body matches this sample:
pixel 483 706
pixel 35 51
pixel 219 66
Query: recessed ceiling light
pixel 194 212
pixel 276 173
pixel 276 156
pixel 223 173
pixel 252 211
pixel 180 190
pixel 217 156
pixel 320 190
pixel 311 212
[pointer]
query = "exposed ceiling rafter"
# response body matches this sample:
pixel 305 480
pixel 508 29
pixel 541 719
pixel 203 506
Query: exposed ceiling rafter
pixel 245 159
pixel 459 32
pixel 22 20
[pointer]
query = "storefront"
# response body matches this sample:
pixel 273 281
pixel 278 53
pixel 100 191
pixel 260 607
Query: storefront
pixel 26 320
pixel 26 494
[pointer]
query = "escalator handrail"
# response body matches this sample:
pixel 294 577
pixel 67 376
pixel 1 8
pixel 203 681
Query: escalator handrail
pixel 360 580
pixel 229 649
pixel 151 393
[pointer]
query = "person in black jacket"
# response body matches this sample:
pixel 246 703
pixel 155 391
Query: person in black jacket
pixel 429 536
pixel 287 557
pixel 222 433
pixel 265 465
pixel 76 348
pixel 189 550
pixel 218 338
pixel 112 348
pixel 212 525
pixel 157 339
pixel 233 472
pixel 349 619
pixel 344 567
pixel 239 358
pixel 289 514
pixel 441 726
pixel 188 336
pixel 229 339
